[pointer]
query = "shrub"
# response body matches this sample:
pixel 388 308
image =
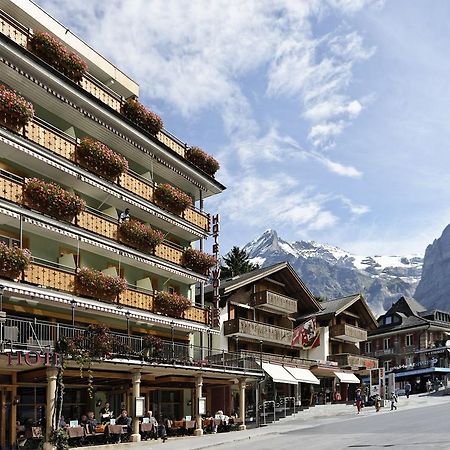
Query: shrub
pixel 93 283
pixel 100 159
pixel 202 160
pixel 55 53
pixel 173 305
pixel 52 199
pixel 198 261
pixel 171 198
pixel 13 261
pixel 135 111
pixel 15 111
pixel 140 236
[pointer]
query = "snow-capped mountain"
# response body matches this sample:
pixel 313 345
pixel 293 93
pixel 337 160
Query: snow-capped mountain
pixel 332 272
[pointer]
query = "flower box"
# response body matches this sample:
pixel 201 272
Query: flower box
pixel 13 261
pixel 95 284
pixel 202 160
pixel 100 159
pixel 55 53
pixel 135 111
pixel 198 261
pixel 15 111
pixel 140 236
pixel 168 197
pixel 173 305
pixel 52 199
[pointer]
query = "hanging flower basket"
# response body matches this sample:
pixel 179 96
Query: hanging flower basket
pixel 100 159
pixel 55 53
pixel 140 236
pixel 198 261
pixel 52 199
pixel 13 261
pixel 202 160
pixel 94 283
pixel 135 111
pixel 15 111
pixel 173 305
pixel 168 197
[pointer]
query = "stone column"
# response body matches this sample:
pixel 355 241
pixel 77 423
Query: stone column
pixel 198 393
pixel 136 380
pixel 52 375
pixel 242 386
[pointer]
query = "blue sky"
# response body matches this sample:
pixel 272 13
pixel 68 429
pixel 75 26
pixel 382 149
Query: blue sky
pixel 330 118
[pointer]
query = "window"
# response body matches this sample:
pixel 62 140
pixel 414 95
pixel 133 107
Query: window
pixel 388 320
pixel 9 241
pixel 387 343
pixel 368 347
pixel 409 340
pixel 387 366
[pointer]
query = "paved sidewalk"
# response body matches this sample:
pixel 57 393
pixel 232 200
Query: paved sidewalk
pixel 312 417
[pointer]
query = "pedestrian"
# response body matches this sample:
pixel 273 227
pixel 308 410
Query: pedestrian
pixel 394 400
pixel 407 389
pixel 358 400
pixel 428 384
pixel 124 215
pixel 377 402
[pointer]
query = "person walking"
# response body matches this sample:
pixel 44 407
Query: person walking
pixel 394 400
pixel 358 400
pixel 407 389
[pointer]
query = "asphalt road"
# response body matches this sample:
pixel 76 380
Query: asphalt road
pixel 421 428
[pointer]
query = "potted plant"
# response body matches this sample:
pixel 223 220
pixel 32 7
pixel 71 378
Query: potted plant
pixel 169 197
pixel 13 261
pixel 140 236
pixel 152 347
pixel 198 261
pixel 202 160
pixel 55 53
pixel 94 283
pixel 173 305
pixel 52 199
pixel 100 159
pixel 15 111
pixel 135 111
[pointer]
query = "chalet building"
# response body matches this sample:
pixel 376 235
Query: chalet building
pixel 100 208
pixel 344 324
pixel 301 344
pixel 411 342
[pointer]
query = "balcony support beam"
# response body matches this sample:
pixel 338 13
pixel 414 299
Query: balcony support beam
pixel 136 380
pixel 198 394
pixel 242 386
pixel 50 419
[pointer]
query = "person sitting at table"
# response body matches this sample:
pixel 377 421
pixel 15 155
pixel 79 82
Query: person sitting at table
pixel 83 420
pixel 124 419
pixel 62 423
pixel 153 433
pixel 91 422
pixel 162 432
pixel 105 413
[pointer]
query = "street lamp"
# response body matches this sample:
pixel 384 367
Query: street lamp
pixel 172 326
pixel 1 296
pixel 128 314
pixel 74 304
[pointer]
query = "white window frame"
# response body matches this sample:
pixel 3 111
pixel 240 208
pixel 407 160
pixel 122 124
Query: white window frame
pixel 409 337
pixel 386 343
pixel 368 347
pixel 387 365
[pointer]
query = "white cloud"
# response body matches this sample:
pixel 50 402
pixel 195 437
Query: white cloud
pixel 338 168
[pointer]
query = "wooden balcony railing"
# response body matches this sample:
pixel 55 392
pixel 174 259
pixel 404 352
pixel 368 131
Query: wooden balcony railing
pixel 52 139
pixel 348 332
pixel 20 34
pixel 12 190
pixel 274 302
pixel 257 330
pixel 354 361
pixel 64 280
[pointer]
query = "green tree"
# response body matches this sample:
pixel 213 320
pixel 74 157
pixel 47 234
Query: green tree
pixel 236 262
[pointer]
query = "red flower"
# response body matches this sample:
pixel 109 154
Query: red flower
pixel 15 111
pixel 94 283
pixel 13 261
pixel 140 236
pixel 140 115
pixel 202 160
pixel 173 305
pixel 171 198
pixel 198 261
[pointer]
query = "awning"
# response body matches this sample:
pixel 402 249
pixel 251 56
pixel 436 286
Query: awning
pixel 303 375
pixel 346 377
pixel 409 373
pixel 278 373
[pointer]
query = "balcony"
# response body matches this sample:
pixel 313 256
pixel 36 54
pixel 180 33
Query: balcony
pixel 386 351
pixel 354 361
pixel 348 333
pixel 90 220
pixel 278 359
pixel 41 133
pixel 21 334
pixel 44 275
pixel 20 35
pixel 275 303
pixel 257 331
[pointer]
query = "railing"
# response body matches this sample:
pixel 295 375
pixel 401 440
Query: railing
pixel 261 331
pixel 274 301
pixel 386 351
pixel 278 359
pixel 20 35
pixel 21 334
pixel 91 220
pixel 347 359
pixel 348 332
pixel 63 279
pixel 53 139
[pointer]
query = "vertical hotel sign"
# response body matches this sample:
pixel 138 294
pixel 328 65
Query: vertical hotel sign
pixel 216 270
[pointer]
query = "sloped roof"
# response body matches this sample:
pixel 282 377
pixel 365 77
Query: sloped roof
pixel 414 305
pixel 407 322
